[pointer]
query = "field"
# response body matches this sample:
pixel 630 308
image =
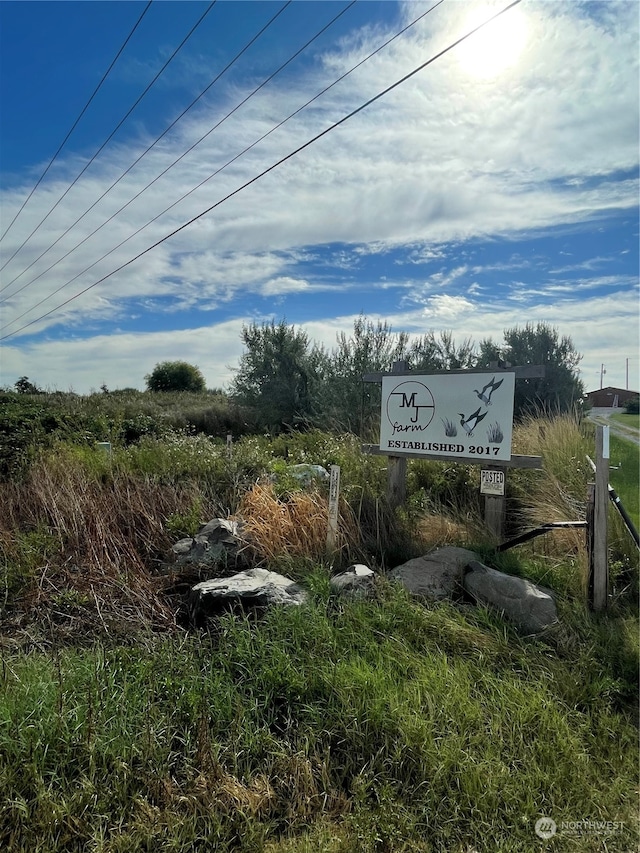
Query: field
pixel 345 726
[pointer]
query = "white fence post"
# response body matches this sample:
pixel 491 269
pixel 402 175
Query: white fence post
pixel 334 495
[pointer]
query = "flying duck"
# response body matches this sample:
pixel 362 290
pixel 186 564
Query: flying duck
pixel 485 395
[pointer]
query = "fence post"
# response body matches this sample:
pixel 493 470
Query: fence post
pixel 591 501
pixel 334 498
pixel 600 563
pixel 494 514
pixel 397 465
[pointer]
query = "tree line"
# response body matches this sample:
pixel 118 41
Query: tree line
pixel 285 381
pixel 289 382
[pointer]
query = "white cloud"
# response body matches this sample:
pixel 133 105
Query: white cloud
pixel 123 360
pixel 283 284
pixel 442 159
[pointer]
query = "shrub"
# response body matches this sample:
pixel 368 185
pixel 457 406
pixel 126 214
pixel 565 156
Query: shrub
pixel 632 406
pixel 175 376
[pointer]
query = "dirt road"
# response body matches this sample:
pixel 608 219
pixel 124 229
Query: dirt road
pixel 603 416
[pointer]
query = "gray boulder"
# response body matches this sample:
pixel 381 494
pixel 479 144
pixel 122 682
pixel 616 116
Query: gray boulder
pixel 530 608
pixel 307 474
pixel 437 575
pixel 253 588
pixel 357 580
pixel 218 539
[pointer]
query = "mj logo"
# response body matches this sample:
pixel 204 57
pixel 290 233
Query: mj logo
pixel 410 407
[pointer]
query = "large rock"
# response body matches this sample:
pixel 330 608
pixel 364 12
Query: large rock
pixel 437 575
pixel 219 539
pixel 529 607
pixel 253 588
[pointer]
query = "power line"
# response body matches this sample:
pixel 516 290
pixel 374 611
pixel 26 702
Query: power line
pixel 271 168
pixel 135 162
pixel 83 111
pixel 220 169
pixel 164 172
pixel 114 131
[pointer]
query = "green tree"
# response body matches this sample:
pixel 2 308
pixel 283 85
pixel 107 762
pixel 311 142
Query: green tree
pixel 24 386
pixel 431 352
pixel 560 389
pixel 277 375
pixel 345 400
pixel 632 406
pixel 175 376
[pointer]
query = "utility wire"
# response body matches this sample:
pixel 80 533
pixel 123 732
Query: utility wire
pixel 271 168
pixel 205 180
pixel 164 172
pixel 126 172
pixel 113 132
pixel 84 109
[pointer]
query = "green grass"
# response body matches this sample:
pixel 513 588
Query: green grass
pixel 625 475
pixel 358 727
pixel 632 421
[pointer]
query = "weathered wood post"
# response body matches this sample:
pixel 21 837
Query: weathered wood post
pixel 397 465
pixel 334 498
pixel 599 562
pixel 494 499
pixel 591 501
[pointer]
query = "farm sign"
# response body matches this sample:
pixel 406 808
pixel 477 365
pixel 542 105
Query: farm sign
pixel 465 415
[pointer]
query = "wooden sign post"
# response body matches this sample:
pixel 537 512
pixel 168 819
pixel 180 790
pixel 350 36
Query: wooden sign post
pixel 493 487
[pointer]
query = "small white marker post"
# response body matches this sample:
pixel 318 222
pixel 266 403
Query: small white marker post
pixel 229 445
pixel 334 494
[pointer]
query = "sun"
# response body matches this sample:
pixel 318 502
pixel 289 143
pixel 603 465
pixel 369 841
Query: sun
pixel 495 47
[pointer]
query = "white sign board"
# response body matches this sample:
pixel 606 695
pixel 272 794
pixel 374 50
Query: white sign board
pixel 492 482
pixel 464 415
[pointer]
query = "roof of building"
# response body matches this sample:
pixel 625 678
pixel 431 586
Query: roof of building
pixel 611 390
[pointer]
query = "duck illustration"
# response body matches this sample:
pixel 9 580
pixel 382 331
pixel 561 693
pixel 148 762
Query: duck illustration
pixel 487 391
pixel 470 423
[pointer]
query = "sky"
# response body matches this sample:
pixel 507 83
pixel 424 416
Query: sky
pixel 495 186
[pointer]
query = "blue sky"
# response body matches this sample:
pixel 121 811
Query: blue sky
pixel 497 186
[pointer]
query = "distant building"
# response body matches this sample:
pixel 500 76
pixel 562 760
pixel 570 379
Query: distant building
pixel 607 398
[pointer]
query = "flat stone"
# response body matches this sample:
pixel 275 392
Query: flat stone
pixel 530 608
pixel 437 575
pixel 255 588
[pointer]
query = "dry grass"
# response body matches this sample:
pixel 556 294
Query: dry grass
pixel 294 525
pixel 106 537
pixel 435 531
pixel 558 492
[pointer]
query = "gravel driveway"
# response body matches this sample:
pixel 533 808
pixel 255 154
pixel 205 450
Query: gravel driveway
pixel 603 417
